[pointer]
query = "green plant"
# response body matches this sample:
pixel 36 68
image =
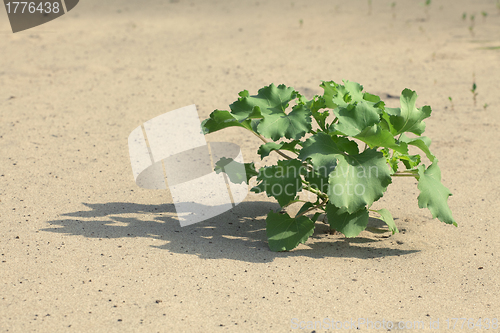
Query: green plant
pixel 464 16
pixel 474 93
pixel 485 106
pixel 393 7
pixel 451 101
pixel 328 160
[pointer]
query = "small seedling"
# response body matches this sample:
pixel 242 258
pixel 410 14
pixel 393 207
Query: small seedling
pixel 485 14
pixel 464 16
pixel 393 7
pixel 301 22
pixel 451 101
pixel 485 106
pixel 323 167
pixel 471 30
pixel 427 4
pixel 474 93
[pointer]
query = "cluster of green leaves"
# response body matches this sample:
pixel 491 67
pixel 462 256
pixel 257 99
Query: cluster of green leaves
pixel 324 135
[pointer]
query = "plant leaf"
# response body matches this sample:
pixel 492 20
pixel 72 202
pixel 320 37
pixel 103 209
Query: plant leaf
pixel 408 118
pixel 314 106
pixel 350 224
pixel 270 104
pixel 343 143
pixel 410 161
pixel 291 126
pixel 433 194
pixel 422 142
pixel 355 118
pixel 269 100
pixel 337 95
pixel 236 171
pixel 267 148
pixel 305 207
pixel 359 180
pixel 354 180
pixel 281 181
pixel 386 216
pixel 318 181
pixel 322 151
pixel 375 136
pixel 220 119
pixel 285 233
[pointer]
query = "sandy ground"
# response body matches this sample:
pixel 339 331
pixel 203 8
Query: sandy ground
pixel 83 249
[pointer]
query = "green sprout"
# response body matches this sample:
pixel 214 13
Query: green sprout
pixel 464 16
pixel 485 106
pixel 474 93
pixel 451 101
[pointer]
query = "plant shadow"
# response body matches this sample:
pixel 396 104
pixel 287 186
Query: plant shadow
pixel 238 234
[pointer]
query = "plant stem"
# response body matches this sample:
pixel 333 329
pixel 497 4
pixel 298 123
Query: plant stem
pixel 277 151
pixel 310 209
pixel 310 189
pixel 405 175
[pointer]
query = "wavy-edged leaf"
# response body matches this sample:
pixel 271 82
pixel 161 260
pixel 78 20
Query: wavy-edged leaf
pixel 348 146
pixel 293 125
pixel 269 99
pixel 355 118
pixel 281 181
pixel 236 171
pixel 433 194
pixel 375 136
pixel 285 233
pixel 421 142
pixel 269 147
pixel 316 104
pixel 323 151
pixel 350 224
pixel 220 119
pixel 359 180
pixel 410 161
pixel 408 118
pixel 337 95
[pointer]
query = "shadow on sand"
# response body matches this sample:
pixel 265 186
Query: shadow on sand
pixel 238 234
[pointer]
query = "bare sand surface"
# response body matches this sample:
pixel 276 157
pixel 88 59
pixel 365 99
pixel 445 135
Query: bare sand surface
pixel 83 249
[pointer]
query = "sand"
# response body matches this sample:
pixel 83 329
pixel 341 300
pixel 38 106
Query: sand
pixel 83 249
